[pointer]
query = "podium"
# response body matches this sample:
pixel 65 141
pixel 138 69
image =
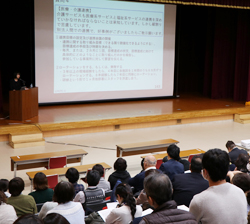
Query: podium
pixel 23 104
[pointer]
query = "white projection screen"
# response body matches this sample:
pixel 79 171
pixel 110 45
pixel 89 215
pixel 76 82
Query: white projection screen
pixel 103 50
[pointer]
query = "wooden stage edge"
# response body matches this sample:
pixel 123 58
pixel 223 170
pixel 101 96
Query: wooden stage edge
pixel 115 124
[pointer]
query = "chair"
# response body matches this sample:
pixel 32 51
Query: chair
pixel 57 162
pixel 52 181
pixel 158 163
pixel 97 206
pixel 108 195
pixel 39 206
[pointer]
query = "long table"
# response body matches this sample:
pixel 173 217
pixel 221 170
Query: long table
pixel 143 147
pixel 61 171
pixel 41 160
pixel 183 154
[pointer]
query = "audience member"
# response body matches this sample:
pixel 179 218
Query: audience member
pixel 172 166
pixel 55 218
pixel 72 175
pixel 222 202
pixel 42 193
pixel 234 152
pixel 23 204
pixel 137 181
pixel 189 184
pixel 158 188
pixel 104 184
pixel 92 194
pixel 241 163
pixel 63 194
pixel 127 210
pixel 7 212
pixel 4 186
pixel 47 206
pixel 120 173
pixel 28 219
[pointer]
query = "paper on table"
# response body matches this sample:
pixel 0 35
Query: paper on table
pixel 183 207
pixel 112 205
pixel 104 213
pixel 147 212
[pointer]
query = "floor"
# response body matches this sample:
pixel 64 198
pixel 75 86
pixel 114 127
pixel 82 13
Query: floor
pixel 200 135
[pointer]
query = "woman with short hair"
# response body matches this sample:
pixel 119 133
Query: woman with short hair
pixel 42 193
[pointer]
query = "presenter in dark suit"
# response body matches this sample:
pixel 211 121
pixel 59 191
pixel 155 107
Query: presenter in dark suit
pixel 186 185
pixel 234 152
pixel 16 83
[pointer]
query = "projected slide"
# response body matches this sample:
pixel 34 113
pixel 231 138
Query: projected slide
pixel 102 50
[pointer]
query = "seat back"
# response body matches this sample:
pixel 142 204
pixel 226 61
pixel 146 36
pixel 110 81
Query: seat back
pixel 97 206
pixel 57 162
pixel 108 195
pixel 158 163
pixel 39 206
pixel 52 181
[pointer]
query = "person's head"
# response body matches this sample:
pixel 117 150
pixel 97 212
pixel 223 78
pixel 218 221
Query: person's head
pixel 16 186
pixel 17 75
pixel 63 192
pixel 158 188
pixel 242 180
pixel 151 171
pixel 196 164
pixel 53 218
pixel 99 168
pixel 93 178
pixel 3 197
pixel 4 185
pixel 120 164
pixel 241 162
pixel 28 219
pixel 124 195
pixel 230 145
pixel 40 181
pixel 149 161
pixel 142 163
pixel 215 163
pixel 174 152
pixel 72 175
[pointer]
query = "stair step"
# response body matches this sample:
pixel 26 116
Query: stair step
pixel 17 145
pixel 242 118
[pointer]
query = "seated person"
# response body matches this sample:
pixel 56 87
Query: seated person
pixel 63 194
pixel 4 185
pixel 137 181
pixel 241 163
pixel 23 204
pixel 104 184
pixel 72 175
pixel 126 210
pixel 7 212
pixel 158 188
pixel 233 151
pixel 172 166
pixel 28 219
pixel 92 194
pixel 120 173
pixel 42 193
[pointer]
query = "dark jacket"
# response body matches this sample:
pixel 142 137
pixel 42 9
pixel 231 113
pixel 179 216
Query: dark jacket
pixel 171 168
pixel 123 176
pixel 233 155
pixel 168 213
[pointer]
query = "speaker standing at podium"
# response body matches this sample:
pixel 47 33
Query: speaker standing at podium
pixel 16 83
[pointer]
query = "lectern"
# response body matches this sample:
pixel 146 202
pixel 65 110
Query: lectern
pixel 23 104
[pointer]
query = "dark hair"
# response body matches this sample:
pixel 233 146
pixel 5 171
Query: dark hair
pixel 99 168
pixel 72 175
pixel 4 184
pixel 16 186
pixel 196 163
pixel 3 197
pixel 55 218
pixel 216 162
pixel 15 74
pixel 125 192
pixel 28 219
pixel 40 181
pixel 241 162
pixel 165 159
pixel 93 177
pixel 120 164
pixel 159 187
pixel 242 180
pixel 64 192
pixel 230 145
pixel 142 163
pixel 174 152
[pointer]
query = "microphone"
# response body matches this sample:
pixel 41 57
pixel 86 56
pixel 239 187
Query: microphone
pixel 22 81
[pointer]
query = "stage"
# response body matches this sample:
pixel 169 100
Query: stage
pixel 63 120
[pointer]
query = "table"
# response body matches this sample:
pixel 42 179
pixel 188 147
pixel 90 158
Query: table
pixel 41 160
pixel 184 153
pixel 143 147
pixel 61 171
